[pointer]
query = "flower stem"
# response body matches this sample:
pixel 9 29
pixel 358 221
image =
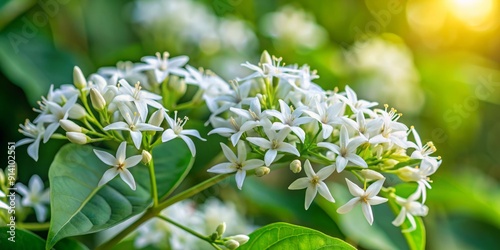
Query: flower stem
pixel 154 211
pixel 152 178
pixel 35 226
pixel 189 230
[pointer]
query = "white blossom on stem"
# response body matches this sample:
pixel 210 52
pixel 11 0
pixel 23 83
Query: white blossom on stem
pixel 346 150
pixel 274 144
pixel 35 196
pixel 410 207
pixel 177 130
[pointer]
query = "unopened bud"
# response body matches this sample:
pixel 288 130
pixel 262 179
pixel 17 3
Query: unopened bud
pixel 214 236
pixel 240 238
pixel 232 244
pixel 177 85
pixel 77 137
pixel 265 58
pixel 146 157
pixel 97 100
pixel 371 175
pixel 408 174
pixel 78 78
pixel 2 177
pixel 221 228
pixel 390 162
pixel 157 117
pixel 261 171
pixel 296 166
pixel 77 112
pixel 70 126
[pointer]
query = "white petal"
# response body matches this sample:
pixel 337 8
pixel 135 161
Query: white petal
pixel 33 149
pixel 354 189
pixel 299 132
pixel 132 161
pixel 189 143
pixel 117 126
pixel 107 176
pixel 325 172
pixel 300 183
pixel 228 153
pixel 22 189
pixel 236 137
pixel 221 131
pixel 325 192
pixel 4 206
pixel 240 178
pixel 49 131
pixel 270 156
pixel 168 135
pixel 412 222
pixel 136 138
pixel 376 200
pixel 121 152
pixel 36 184
pixel 367 211
pixel 40 212
pixel 193 132
pixel 253 163
pixel 286 147
pixel 147 127
pixel 105 157
pixel 242 152
pixel 344 136
pixel 261 142
pixel 400 218
pixel 222 168
pixel 327 130
pixel 374 188
pixel 128 178
pixel 311 192
pixel 348 206
pixel 332 147
pixel 357 160
pixel 341 163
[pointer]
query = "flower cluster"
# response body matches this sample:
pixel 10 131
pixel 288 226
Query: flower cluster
pixel 278 115
pixel 127 104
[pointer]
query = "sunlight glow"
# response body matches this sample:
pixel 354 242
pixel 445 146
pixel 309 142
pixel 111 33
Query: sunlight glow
pixel 471 12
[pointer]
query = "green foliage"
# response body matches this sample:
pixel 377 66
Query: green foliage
pixel 80 207
pixel 287 236
pixel 24 240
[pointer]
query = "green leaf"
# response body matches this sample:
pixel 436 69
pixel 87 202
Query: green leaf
pixel 286 236
pixel 24 240
pixel 79 207
pixel 70 244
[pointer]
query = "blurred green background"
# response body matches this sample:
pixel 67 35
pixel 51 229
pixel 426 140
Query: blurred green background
pixel 437 62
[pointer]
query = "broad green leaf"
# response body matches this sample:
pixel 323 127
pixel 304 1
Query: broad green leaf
pixel 79 207
pixel 72 244
pixel 381 235
pixel 287 236
pixel 24 240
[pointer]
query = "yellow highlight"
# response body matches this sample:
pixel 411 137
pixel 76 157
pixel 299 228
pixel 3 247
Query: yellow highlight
pixel 471 12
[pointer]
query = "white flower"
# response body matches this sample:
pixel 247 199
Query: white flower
pixel 163 66
pixel 419 174
pixel 357 105
pixel 35 196
pixel 119 165
pixel 391 131
pixel 327 116
pixel 314 183
pixel 134 125
pixel 346 150
pixel 238 164
pixel 229 128
pixel 289 119
pixel 253 115
pixel 367 198
pixel 35 134
pixel 3 204
pixel 212 85
pixel 422 151
pixel 409 208
pixel 271 69
pixel 54 115
pixel 274 144
pixel 176 130
pixel 141 98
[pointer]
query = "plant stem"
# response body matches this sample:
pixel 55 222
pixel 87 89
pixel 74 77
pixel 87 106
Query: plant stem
pixel 152 178
pixel 198 235
pixel 154 211
pixel 35 226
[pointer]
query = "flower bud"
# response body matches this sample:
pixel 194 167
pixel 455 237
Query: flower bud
pixel 77 137
pixel 296 166
pixel 214 236
pixel 146 157
pixel 232 244
pixel 240 238
pixel 97 99
pixel 2 177
pixel 221 228
pixel 70 126
pixel 78 78
pixel 265 58
pixel 157 117
pixel 371 175
pixel 408 174
pixel 77 112
pixel 177 85
pixel 390 163
pixel 261 171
